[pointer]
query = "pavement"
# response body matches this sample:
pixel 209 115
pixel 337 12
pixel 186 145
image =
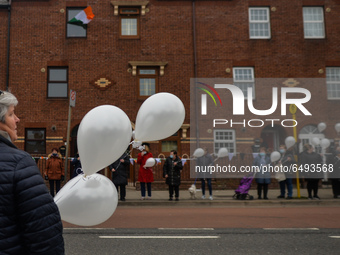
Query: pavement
pixel 223 198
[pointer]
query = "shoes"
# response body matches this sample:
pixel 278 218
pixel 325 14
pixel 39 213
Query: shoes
pixel 211 198
pixel 203 197
pixel 170 199
pixel 148 198
pixel 280 196
pixel 177 199
pixel 122 199
pixel 266 198
pixel 310 198
pixel 259 198
pixel 316 198
pixel 142 198
pixel 289 198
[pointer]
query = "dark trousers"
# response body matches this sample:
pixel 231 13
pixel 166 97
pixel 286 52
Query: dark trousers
pixel 122 189
pixel 260 187
pixel 171 190
pixel 336 187
pixel 312 185
pixel 57 186
pixel 209 186
pixel 142 188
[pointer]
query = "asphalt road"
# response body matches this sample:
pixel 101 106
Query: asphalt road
pixel 202 241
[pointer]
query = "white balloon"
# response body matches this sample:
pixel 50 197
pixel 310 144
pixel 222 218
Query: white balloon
pixel 322 126
pixel 290 141
pixel 199 152
pixel 150 162
pixel 315 141
pixel 160 116
pixel 275 156
pixel 222 152
pixel 103 136
pixel 337 127
pixel 325 143
pixel 87 201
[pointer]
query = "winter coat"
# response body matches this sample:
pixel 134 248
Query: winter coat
pixel 77 166
pixel 262 177
pixel 173 171
pixel 144 175
pixel 30 222
pixel 310 159
pixel 286 163
pixel 120 175
pixel 54 168
pixel 205 161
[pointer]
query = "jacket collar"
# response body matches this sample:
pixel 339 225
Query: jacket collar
pixel 7 142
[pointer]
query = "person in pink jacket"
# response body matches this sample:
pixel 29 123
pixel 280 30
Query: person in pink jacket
pixel 145 175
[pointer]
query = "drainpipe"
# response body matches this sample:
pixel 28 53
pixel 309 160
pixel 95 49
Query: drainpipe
pixel 195 70
pixel 8 7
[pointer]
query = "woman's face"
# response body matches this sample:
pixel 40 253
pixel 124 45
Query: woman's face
pixel 11 121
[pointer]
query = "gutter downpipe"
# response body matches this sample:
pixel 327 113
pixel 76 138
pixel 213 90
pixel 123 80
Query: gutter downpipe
pixel 8 7
pixel 195 70
pixel 8 44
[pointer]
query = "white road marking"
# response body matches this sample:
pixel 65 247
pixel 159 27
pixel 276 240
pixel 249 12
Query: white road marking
pixel 299 229
pixel 159 237
pixel 186 229
pixel 334 236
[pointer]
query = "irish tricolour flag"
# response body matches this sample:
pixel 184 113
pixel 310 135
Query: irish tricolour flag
pixel 82 18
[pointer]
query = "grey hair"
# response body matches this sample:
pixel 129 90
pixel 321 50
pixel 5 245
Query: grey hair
pixel 7 99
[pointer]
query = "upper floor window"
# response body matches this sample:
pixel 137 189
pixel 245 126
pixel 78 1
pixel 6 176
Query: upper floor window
pixel 147 82
pixel 35 140
pixel 224 138
pixel 57 82
pixel 333 82
pixel 243 78
pixel 313 22
pixel 129 23
pixel 259 23
pixel 74 30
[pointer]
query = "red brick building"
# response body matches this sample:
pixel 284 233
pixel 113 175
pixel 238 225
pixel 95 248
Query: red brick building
pixel 133 49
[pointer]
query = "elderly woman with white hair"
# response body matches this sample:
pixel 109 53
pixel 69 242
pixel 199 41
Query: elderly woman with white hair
pixel 29 219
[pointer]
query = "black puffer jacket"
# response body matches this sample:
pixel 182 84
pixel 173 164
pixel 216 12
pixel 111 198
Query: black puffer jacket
pixel 120 176
pixel 173 171
pixel 29 219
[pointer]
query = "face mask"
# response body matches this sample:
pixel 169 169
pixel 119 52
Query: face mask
pixel 171 156
pixel 54 154
pixel 262 153
pixel 282 151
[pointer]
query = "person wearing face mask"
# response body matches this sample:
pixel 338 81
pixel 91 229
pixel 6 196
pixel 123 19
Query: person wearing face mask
pixel 262 177
pixel 287 159
pixel 54 171
pixel 172 169
pixel 29 219
pixel 145 175
pixel 307 160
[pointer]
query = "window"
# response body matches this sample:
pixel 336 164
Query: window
pixel 147 82
pixel 313 22
pixel 129 23
pixel 333 82
pixel 57 84
pixel 244 78
pixel 35 140
pixel 171 143
pixel 224 138
pixel 259 23
pixel 74 30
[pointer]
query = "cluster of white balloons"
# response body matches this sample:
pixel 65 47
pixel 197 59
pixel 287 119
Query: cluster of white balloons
pixel 222 152
pixel 104 134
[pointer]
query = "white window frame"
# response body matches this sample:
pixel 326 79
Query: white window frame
pixel 232 148
pixel 333 85
pixel 267 21
pixel 314 22
pixel 252 80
